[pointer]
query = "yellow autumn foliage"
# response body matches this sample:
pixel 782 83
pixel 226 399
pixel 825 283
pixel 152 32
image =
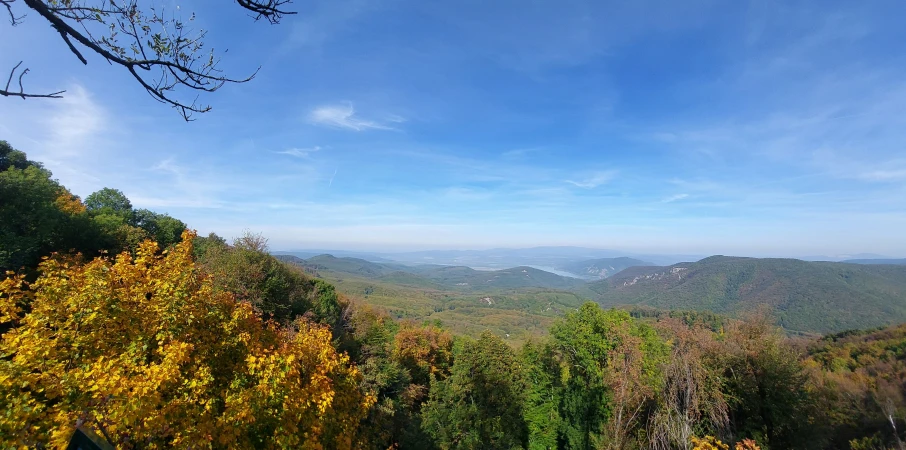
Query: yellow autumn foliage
pixel 146 352
pixel 708 443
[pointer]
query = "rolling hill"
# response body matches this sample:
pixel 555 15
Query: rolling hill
pixel 602 268
pixel 353 266
pixel 804 296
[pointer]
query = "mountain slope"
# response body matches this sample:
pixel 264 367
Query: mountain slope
pixel 804 296
pixel 353 266
pixel 603 267
pixel 877 261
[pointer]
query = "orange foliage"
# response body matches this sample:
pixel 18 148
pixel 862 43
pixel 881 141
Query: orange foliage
pixel 69 203
pixel 747 444
pixel 424 351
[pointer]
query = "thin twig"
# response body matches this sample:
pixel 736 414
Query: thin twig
pixel 6 92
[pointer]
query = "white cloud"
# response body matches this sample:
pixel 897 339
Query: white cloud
pixel 301 152
pixel 71 136
pixel 595 180
pixel 77 120
pixel 674 198
pixel 343 115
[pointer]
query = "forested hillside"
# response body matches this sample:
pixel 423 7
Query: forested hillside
pixel 204 343
pixel 454 277
pixel 877 261
pixel 803 296
pixel 807 297
pixel 40 216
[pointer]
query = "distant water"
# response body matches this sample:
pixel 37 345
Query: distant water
pixel 544 268
pixel 557 272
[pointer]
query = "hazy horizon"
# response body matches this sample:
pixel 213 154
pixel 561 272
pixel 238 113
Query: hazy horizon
pixel 751 129
pixel 608 252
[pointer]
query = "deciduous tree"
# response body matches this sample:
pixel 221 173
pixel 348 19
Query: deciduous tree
pixel 147 352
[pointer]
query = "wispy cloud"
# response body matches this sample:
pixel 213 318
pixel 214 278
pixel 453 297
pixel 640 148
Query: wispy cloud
pixel 674 198
pixel 301 152
pixel 595 180
pixel 884 175
pixel 77 120
pixel 71 136
pixel 343 115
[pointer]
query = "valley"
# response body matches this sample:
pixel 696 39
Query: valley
pixel 805 297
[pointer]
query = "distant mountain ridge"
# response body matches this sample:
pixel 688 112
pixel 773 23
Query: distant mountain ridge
pixel 877 261
pixel 603 267
pixel 496 258
pixel 804 296
pixel 453 277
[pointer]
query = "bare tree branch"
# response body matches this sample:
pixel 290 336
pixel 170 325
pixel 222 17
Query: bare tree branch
pixel 6 92
pixel 73 49
pixel 13 20
pixel 162 53
pixel 267 9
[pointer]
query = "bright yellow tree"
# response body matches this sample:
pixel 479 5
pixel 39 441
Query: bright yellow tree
pixel 708 443
pixel 147 353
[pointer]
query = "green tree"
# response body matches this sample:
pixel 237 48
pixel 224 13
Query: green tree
pixel 480 406
pixel 10 157
pixel 109 201
pixel 165 230
pixel 203 243
pixel 37 215
pixel 543 396
pixel 277 290
pixel 30 217
pixel 769 389
pixel 588 341
pixel 369 342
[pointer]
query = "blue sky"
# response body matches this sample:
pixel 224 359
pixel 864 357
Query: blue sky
pixel 750 128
